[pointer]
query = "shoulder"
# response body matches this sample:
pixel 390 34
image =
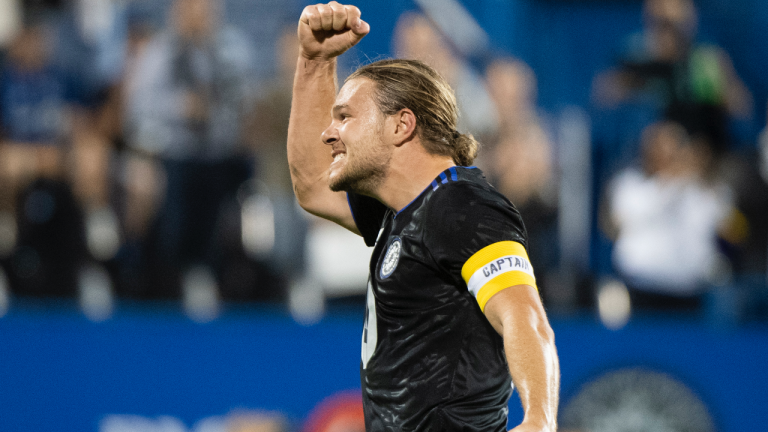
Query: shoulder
pixel 470 209
pixel 466 192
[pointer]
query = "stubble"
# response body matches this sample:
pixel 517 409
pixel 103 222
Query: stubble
pixel 366 169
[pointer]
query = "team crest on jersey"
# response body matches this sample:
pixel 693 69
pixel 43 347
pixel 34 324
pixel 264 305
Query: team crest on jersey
pixel 391 258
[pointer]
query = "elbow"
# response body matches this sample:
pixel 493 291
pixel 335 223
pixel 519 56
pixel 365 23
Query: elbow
pixel 307 199
pixel 309 190
pixel 545 332
pixel 300 188
pixel 546 338
pixel 303 199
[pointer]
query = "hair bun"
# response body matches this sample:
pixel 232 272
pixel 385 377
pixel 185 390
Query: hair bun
pixel 465 149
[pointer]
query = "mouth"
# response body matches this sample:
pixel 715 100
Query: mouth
pixel 338 155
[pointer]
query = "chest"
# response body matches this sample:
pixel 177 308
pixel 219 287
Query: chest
pixel 404 274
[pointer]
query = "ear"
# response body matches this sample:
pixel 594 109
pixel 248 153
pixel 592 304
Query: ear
pixel 403 127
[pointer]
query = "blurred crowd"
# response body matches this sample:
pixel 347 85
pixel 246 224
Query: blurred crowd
pixel 148 166
pixel 688 220
pixel 142 156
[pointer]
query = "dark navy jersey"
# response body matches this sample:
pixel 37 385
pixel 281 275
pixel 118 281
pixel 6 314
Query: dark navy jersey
pixel 431 361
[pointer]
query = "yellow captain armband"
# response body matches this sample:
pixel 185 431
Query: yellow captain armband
pixel 496 267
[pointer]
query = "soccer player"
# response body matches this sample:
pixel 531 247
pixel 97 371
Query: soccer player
pixel 453 314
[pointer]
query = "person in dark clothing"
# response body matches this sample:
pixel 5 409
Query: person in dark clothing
pixel 695 84
pixel 453 313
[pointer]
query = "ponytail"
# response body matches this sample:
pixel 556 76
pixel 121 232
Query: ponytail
pixel 465 148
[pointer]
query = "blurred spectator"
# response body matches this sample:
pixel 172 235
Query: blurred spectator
pixel 267 135
pixel 416 38
pixel 748 237
pixel 763 150
pixel 139 178
pixel 10 21
pixel 34 111
pixel 520 160
pixel 695 84
pixel 54 207
pixel 186 101
pixel 665 218
pixel 36 201
pixel 268 130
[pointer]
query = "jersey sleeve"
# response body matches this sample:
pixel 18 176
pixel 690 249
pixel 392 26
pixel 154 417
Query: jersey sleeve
pixel 478 237
pixel 368 214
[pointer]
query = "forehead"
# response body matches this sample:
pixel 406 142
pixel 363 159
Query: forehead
pixel 357 92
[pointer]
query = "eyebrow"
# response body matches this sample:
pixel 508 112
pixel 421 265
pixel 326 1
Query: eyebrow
pixel 337 108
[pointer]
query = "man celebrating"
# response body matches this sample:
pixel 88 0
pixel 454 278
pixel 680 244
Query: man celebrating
pixel 452 306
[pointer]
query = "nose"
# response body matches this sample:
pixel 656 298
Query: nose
pixel 330 135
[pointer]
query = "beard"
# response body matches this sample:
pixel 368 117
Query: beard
pixel 363 173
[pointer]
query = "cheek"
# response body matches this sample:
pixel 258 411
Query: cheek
pixel 360 137
pixel 346 131
pixel 345 134
pixel 353 136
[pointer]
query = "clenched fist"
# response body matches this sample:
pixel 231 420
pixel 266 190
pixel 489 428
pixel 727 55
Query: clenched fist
pixel 327 30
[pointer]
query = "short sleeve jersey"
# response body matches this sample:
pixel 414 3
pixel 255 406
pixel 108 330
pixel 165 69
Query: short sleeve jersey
pixel 431 361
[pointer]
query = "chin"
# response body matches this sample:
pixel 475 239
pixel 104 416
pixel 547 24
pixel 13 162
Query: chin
pixel 355 178
pixel 342 183
pixel 337 186
pixel 337 180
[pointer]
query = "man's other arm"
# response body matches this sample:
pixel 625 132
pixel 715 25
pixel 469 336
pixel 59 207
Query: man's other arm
pixel 529 344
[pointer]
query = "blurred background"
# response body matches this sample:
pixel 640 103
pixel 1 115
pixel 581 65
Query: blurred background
pixel 157 275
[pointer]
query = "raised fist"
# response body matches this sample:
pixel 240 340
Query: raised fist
pixel 327 30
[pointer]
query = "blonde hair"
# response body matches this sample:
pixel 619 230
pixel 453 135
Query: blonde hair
pixel 414 85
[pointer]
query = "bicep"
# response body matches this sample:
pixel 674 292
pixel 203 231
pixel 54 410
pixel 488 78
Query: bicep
pixel 516 307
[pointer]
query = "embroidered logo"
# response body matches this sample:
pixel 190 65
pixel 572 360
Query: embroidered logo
pixel 391 258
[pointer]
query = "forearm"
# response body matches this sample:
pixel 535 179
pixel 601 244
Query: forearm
pixel 314 92
pixel 532 358
pixel 529 345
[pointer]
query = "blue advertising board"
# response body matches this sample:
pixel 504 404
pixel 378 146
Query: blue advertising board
pixel 59 371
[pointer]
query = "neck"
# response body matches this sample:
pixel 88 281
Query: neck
pixel 410 171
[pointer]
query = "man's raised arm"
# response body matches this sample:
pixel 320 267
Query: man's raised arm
pixel 325 32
